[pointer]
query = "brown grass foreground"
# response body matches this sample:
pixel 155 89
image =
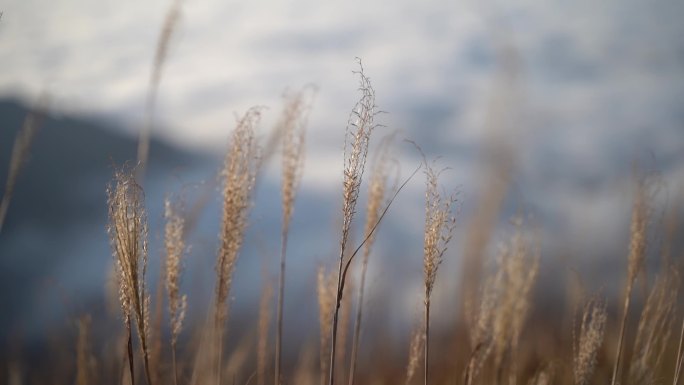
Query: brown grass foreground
pixel 491 343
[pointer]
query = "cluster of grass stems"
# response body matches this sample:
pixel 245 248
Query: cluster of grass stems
pixel 490 341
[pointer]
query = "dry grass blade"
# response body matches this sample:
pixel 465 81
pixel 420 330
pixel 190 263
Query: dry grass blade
pixel 174 243
pixel 589 342
pixel 128 236
pixel 20 154
pixel 239 177
pixel 293 131
pixel 161 53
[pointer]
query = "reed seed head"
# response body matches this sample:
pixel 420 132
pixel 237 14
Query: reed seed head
pixel 292 128
pixel 239 178
pixel 174 244
pixel 590 339
pixel 439 225
pixel 359 128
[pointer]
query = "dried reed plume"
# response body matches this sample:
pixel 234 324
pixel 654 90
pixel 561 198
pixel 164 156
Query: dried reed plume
pixel 517 275
pixel 376 196
pixel 641 212
pixel 262 337
pixel 161 53
pixel 174 243
pixel 492 191
pixel 505 304
pixel 128 236
pixel 415 347
pixel 326 300
pixel 588 343
pixel 439 225
pixel 239 177
pixel 359 128
pixel 20 154
pixel 293 132
pixel 655 328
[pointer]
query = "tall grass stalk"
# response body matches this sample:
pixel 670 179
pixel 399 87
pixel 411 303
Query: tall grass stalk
pixel 84 356
pixel 359 128
pixel 504 306
pixel 128 236
pixel 263 329
pixel 325 289
pixel 654 328
pixel 680 357
pixel 20 154
pixel 239 177
pixel 376 195
pixel 637 255
pixel 439 226
pixel 293 132
pixel 160 56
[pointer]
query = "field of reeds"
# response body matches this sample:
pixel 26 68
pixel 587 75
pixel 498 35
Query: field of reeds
pixel 500 334
pixel 502 329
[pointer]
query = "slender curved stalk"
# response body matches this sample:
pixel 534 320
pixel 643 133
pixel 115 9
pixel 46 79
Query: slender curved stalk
pixel 357 326
pixel 281 295
pixel 680 357
pixel 342 274
pixel 623 323
pixel 426 346
pixel 129 348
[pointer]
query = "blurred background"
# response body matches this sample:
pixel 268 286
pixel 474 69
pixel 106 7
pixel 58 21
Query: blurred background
pixel 566 97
